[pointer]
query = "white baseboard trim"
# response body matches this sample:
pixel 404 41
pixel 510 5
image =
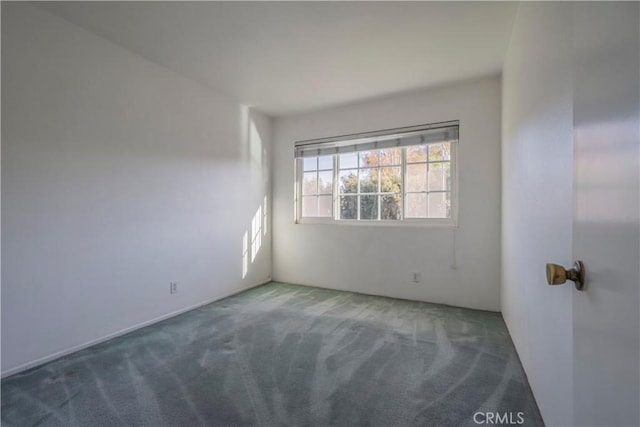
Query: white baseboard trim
pixel 62 353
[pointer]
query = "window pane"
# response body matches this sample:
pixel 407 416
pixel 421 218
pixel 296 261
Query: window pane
pixel 416 206
pixel 391 157
pixel 325 162
pixel 309 206
pixel 439 152
pixel 417 177
pixel 417 153
pixel 438 205
pixel 348 207
pixel 368 207
pixel 325 206
pixel 310 183
pixel 368 158
pixel 348 161
pixel 310 163
pixel 368 180
pixel 391 207
pixel 325 182
pixel 349 181
pixel 439 176
pixel 391 180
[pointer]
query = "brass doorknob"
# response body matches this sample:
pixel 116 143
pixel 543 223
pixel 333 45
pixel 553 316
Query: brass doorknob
pixel 557 275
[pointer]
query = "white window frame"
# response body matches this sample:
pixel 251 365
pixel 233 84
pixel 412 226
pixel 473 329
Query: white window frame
pixel 403 222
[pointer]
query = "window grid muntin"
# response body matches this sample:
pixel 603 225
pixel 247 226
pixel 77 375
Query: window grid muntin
pixel 451 186
pixel 359 194
pixel 316 194
pixel 428 162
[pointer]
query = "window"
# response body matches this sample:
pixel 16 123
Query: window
pixel 397 176
pixel 317 186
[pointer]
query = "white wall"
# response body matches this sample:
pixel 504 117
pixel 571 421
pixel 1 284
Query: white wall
pixel 118 176
pixel 537 208
pixel 379 259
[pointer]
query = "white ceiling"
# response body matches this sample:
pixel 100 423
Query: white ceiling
pixel 288 57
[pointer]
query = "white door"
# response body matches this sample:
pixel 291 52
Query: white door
pixel 606 331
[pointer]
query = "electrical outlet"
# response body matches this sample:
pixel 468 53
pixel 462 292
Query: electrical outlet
pixel 173 288
pixel 417 277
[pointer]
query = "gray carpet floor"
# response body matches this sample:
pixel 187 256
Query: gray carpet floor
pixel 284 355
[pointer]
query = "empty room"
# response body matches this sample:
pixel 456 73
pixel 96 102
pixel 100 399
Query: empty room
pixel 320 213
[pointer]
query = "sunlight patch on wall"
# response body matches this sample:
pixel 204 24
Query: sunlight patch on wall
pixel 264 216
pixel 245 254
pixel 255 144
pixel 256 229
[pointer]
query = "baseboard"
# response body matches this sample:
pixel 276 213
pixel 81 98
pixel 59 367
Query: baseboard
pixel 62 353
